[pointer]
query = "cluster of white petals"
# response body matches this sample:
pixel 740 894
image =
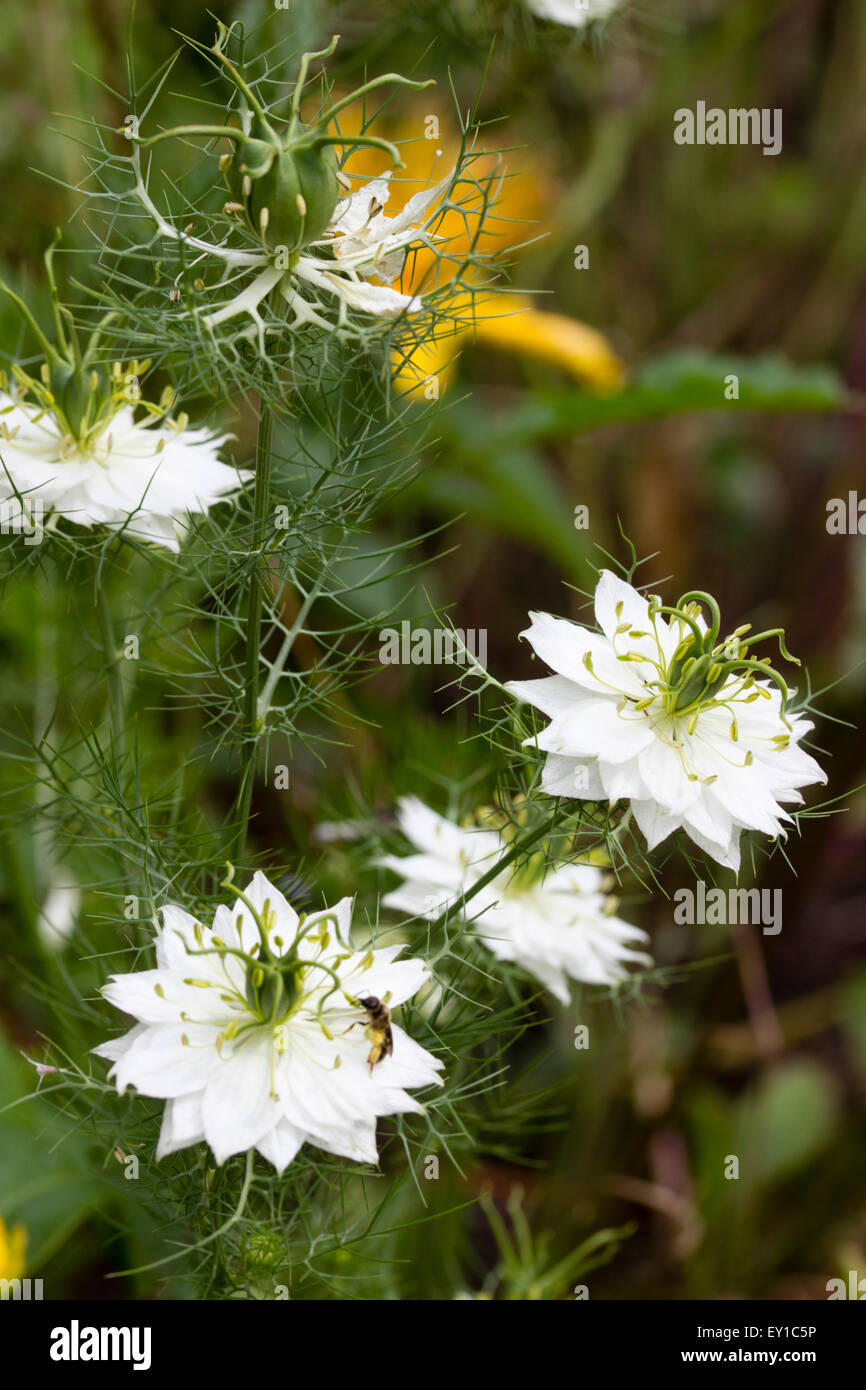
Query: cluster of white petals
pixel 145 477
pixel 236 1079
pixel 557 925
pixel 368 244
pixel 352 264
pixel 714 769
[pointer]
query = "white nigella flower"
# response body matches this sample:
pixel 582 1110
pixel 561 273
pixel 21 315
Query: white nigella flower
pixel 359 247
pixel 575 13
pixel 79 442
pixel 659 710
pixel 145 477
pixel 558 925
pixel 317 249
pixel 257 1033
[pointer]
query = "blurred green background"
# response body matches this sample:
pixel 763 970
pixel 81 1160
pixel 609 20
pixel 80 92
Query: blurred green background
pixel 702 260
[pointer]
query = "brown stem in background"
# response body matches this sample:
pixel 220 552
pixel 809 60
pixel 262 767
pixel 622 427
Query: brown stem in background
pixel 756 990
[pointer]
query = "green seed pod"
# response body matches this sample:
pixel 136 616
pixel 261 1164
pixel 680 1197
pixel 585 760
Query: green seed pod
pixel 702 680
pixel 80 392
pixel 288 189
pixel 689 650
pixel 286 184
pixel 272 989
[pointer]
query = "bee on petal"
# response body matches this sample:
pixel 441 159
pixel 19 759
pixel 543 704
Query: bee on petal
pixel 378 1029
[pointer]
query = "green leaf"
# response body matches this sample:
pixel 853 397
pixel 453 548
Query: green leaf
pixel 788 1120
pixel 679 383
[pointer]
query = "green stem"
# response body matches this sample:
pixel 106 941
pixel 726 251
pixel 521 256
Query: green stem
pixel 212 131
pixel 282 656
pixel 29 872
pixel 355 142
pixel 115 675
pixel 49 349
pixel 261 506
pixel 371 86
pixel 306 59
pixel 517 848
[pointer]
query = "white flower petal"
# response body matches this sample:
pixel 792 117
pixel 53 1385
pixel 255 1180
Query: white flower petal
pixel 237 1106
pixel 281 1144
pixel 576 777
pixel 182 1124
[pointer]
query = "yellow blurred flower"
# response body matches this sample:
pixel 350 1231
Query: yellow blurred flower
pixel 503 320
pixel 13 1251
pixel 510 322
